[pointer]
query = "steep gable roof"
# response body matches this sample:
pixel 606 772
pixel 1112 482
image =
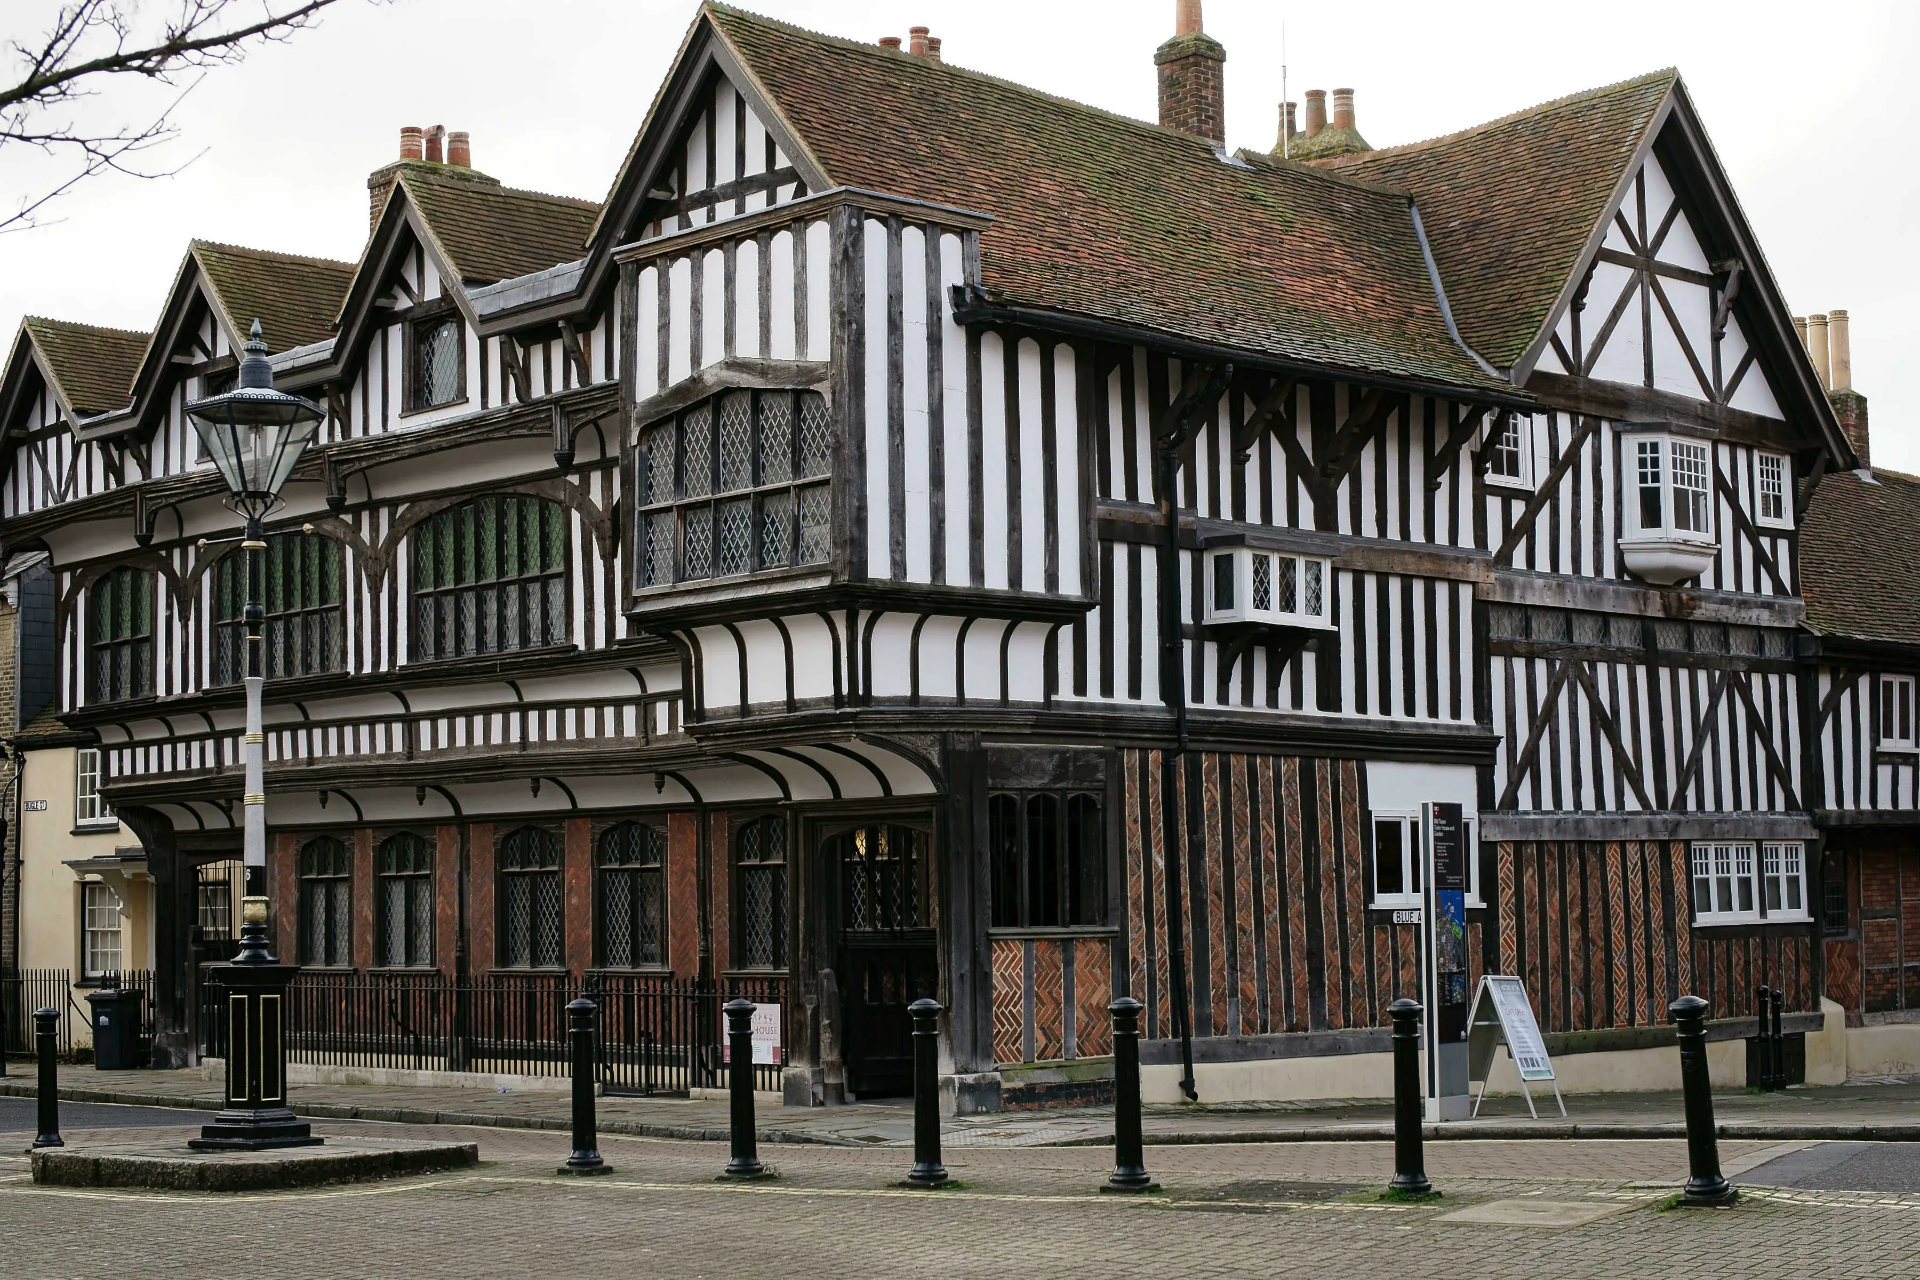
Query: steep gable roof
pixel 489 232
pixel 1108 218
pixel 294 298
pixel 1509 206
pixel 91 367
pixel 1860 557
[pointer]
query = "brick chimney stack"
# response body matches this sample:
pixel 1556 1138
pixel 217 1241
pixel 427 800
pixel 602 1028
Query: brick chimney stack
pixel 1316 111
pixel 1192 69
pixel 917 41
pixel 1849 406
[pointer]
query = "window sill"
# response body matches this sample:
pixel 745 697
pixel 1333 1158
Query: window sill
pixel 1718 922
pixel 508 971
pixel 667 590
pixel 95 828
pixel 392 970
pixel 1512 483
pixel 754 973
pixel 1666 558
pixel 1057 932
pixel 638 971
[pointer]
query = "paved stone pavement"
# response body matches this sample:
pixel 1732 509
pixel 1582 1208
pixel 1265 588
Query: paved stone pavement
pixel 1304 1208
pixel 1861 1110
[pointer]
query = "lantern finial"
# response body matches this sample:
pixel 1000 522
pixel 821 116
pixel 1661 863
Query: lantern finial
pixel 254 370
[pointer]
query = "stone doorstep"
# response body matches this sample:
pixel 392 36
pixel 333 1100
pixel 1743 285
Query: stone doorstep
pixel 173 1166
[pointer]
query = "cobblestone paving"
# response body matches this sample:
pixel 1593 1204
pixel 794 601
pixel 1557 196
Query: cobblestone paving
pixel 1297 1209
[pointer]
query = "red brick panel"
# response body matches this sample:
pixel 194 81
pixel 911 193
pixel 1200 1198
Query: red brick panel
pixel 1092 993
pixel 363 891
pixel 1296 894
pixel 1131 806
pixel 481 880
pixel 683 906
pixel 1009 1000
pixel 719 895
pixel 446 897
pixel 576 886
pixel 283 877
pixel 1215 905
pixel 1049 1006
pixel 1352 855
pixel 1245 953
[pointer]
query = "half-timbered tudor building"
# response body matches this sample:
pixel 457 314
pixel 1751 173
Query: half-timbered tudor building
pixel 923 536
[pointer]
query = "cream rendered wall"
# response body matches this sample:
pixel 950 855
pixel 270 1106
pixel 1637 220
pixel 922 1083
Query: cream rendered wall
pixel 50 892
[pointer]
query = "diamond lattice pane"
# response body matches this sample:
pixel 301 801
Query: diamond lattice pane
pixel 816 436
pixel 734 543
pixel 776 438
pixel 776 529
pixel 698 560
pixel 736 442
pixel 696 433
pixel 815 512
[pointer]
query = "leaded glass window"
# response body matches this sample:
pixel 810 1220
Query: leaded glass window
pixel 885 880
pixel 631 858
pixel 490 576
pixel 120 604
pixel 326 902
pixel 304 633
pixel 530 922
pixel 404 867
pixel 437 363
pixel 1049 861
pixel 733 485
pixel 760 861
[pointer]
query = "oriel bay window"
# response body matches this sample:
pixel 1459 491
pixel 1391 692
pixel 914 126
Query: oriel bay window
pixel 304 632
pixel 404 867
pixel 760 884
pixel 120 631
pixel 629 858
pixel 326 902
pixel 490 576
pixel 1671 487
pixel 735 484
pixel 530 922
pixel 1049 860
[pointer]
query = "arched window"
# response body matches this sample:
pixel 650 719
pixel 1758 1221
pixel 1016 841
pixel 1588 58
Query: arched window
pixel 404 865
pixel 530 928
pixel 305 629
pixel 326 882
pixel 1048 858
pixel 121 629
pixel 760 866
pixel 490 576
pixel 735 484
pixel 632 898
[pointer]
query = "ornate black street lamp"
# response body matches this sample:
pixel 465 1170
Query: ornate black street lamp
pixel 255 436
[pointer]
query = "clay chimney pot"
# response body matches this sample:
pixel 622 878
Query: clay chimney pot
pixel 1840 351
pixel 933 49
pixel 1316 111
pixel 917 41
pixel 410 146
pixel 1817 348
pixel 1186 18
pixel 436 144
pixel 460 150
pixel 890 42
pixel 1343 109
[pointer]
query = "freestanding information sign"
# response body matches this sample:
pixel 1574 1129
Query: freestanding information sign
pixel 1502 1012
pixel 1445 939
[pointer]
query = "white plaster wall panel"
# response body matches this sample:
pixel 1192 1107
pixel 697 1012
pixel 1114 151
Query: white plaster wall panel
pixel 915 392
pixel 875 427
pixel 1031 500
pixel 956 459
pixel 746 291
pixel 994 445
pixel 820 284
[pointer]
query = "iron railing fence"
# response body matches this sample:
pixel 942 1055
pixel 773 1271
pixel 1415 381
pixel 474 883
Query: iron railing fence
pixel 24 990
pixel 656 1035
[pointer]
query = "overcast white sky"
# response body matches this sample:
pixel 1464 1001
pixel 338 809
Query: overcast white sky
pixel 1810 106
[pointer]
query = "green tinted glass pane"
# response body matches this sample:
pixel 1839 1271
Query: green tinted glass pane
pixel 329 573
pixel 142 620
pixel 489 548
pixel 443 548
pixel 275 597
pixel 556 537
pixel 509 538
pixel 529 536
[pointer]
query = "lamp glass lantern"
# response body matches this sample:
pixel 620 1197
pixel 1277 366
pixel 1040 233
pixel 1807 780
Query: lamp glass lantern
pixel 254 434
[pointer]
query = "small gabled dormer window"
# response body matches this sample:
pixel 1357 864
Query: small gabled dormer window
pixel 1251 584
pixel 1770 495
pixel 1510 451
pixel 1668 535
pixel 438 364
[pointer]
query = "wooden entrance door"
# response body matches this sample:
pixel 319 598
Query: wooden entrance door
pixel 888 954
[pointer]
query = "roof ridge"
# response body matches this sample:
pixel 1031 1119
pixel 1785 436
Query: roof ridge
pixel 81 324
pixel 221 247
pixel 494 188
pixel 1359 158
pixel 878 51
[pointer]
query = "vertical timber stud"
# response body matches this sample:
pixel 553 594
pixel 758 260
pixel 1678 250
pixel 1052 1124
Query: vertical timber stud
pixel 1706 1185
pixel 1129 1162
pixel 927 1170
pixel 745 1165
pixel 1409 1157
pixel 48 1087
pixel 585 1160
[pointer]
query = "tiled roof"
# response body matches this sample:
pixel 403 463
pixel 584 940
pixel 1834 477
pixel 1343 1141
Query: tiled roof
pixel 490 232
pixel 1105 217
pixel 1860 557
pixel 294 298
pixel 1508 206
pixel 92 367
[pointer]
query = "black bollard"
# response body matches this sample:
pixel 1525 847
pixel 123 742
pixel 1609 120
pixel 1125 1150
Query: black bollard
pixel 927 1170
pixel 1779 1039
pixel 1762 1075
pixel 1409 1156
pixel 745 1164
pixel 1129 1163
pixel 585 1160
pixel 44 1023
pixel 1706 1185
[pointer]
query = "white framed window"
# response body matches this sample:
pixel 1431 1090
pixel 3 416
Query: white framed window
pixel 1672 488
pixel 1731 885
pixel 1398 858
pixel 1770 497
pixel 1896 730
pixel 1250 584
pixel 89 810
pixel 1510 451
pixel 99 930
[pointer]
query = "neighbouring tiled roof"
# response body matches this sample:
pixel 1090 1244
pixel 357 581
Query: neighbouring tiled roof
pixel 1860 557
pixel 1109 218
pixel 294 298
pixel 490 232
pixel 44 729
pixel 1509 205
pixel 92 367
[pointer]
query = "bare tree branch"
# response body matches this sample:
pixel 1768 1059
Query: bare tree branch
pixel 91 41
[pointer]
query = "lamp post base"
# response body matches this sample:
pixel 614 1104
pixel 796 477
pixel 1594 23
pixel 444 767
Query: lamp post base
pixel 238 1129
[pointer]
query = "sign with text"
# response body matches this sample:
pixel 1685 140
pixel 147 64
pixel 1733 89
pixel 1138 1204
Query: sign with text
pixel 766 1036
pixel 35 806
pixel 1502 1013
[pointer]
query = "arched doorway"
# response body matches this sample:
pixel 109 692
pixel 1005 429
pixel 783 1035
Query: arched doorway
pixel 888 955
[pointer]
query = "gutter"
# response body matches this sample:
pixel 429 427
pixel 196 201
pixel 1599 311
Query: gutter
pixel 1440 291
